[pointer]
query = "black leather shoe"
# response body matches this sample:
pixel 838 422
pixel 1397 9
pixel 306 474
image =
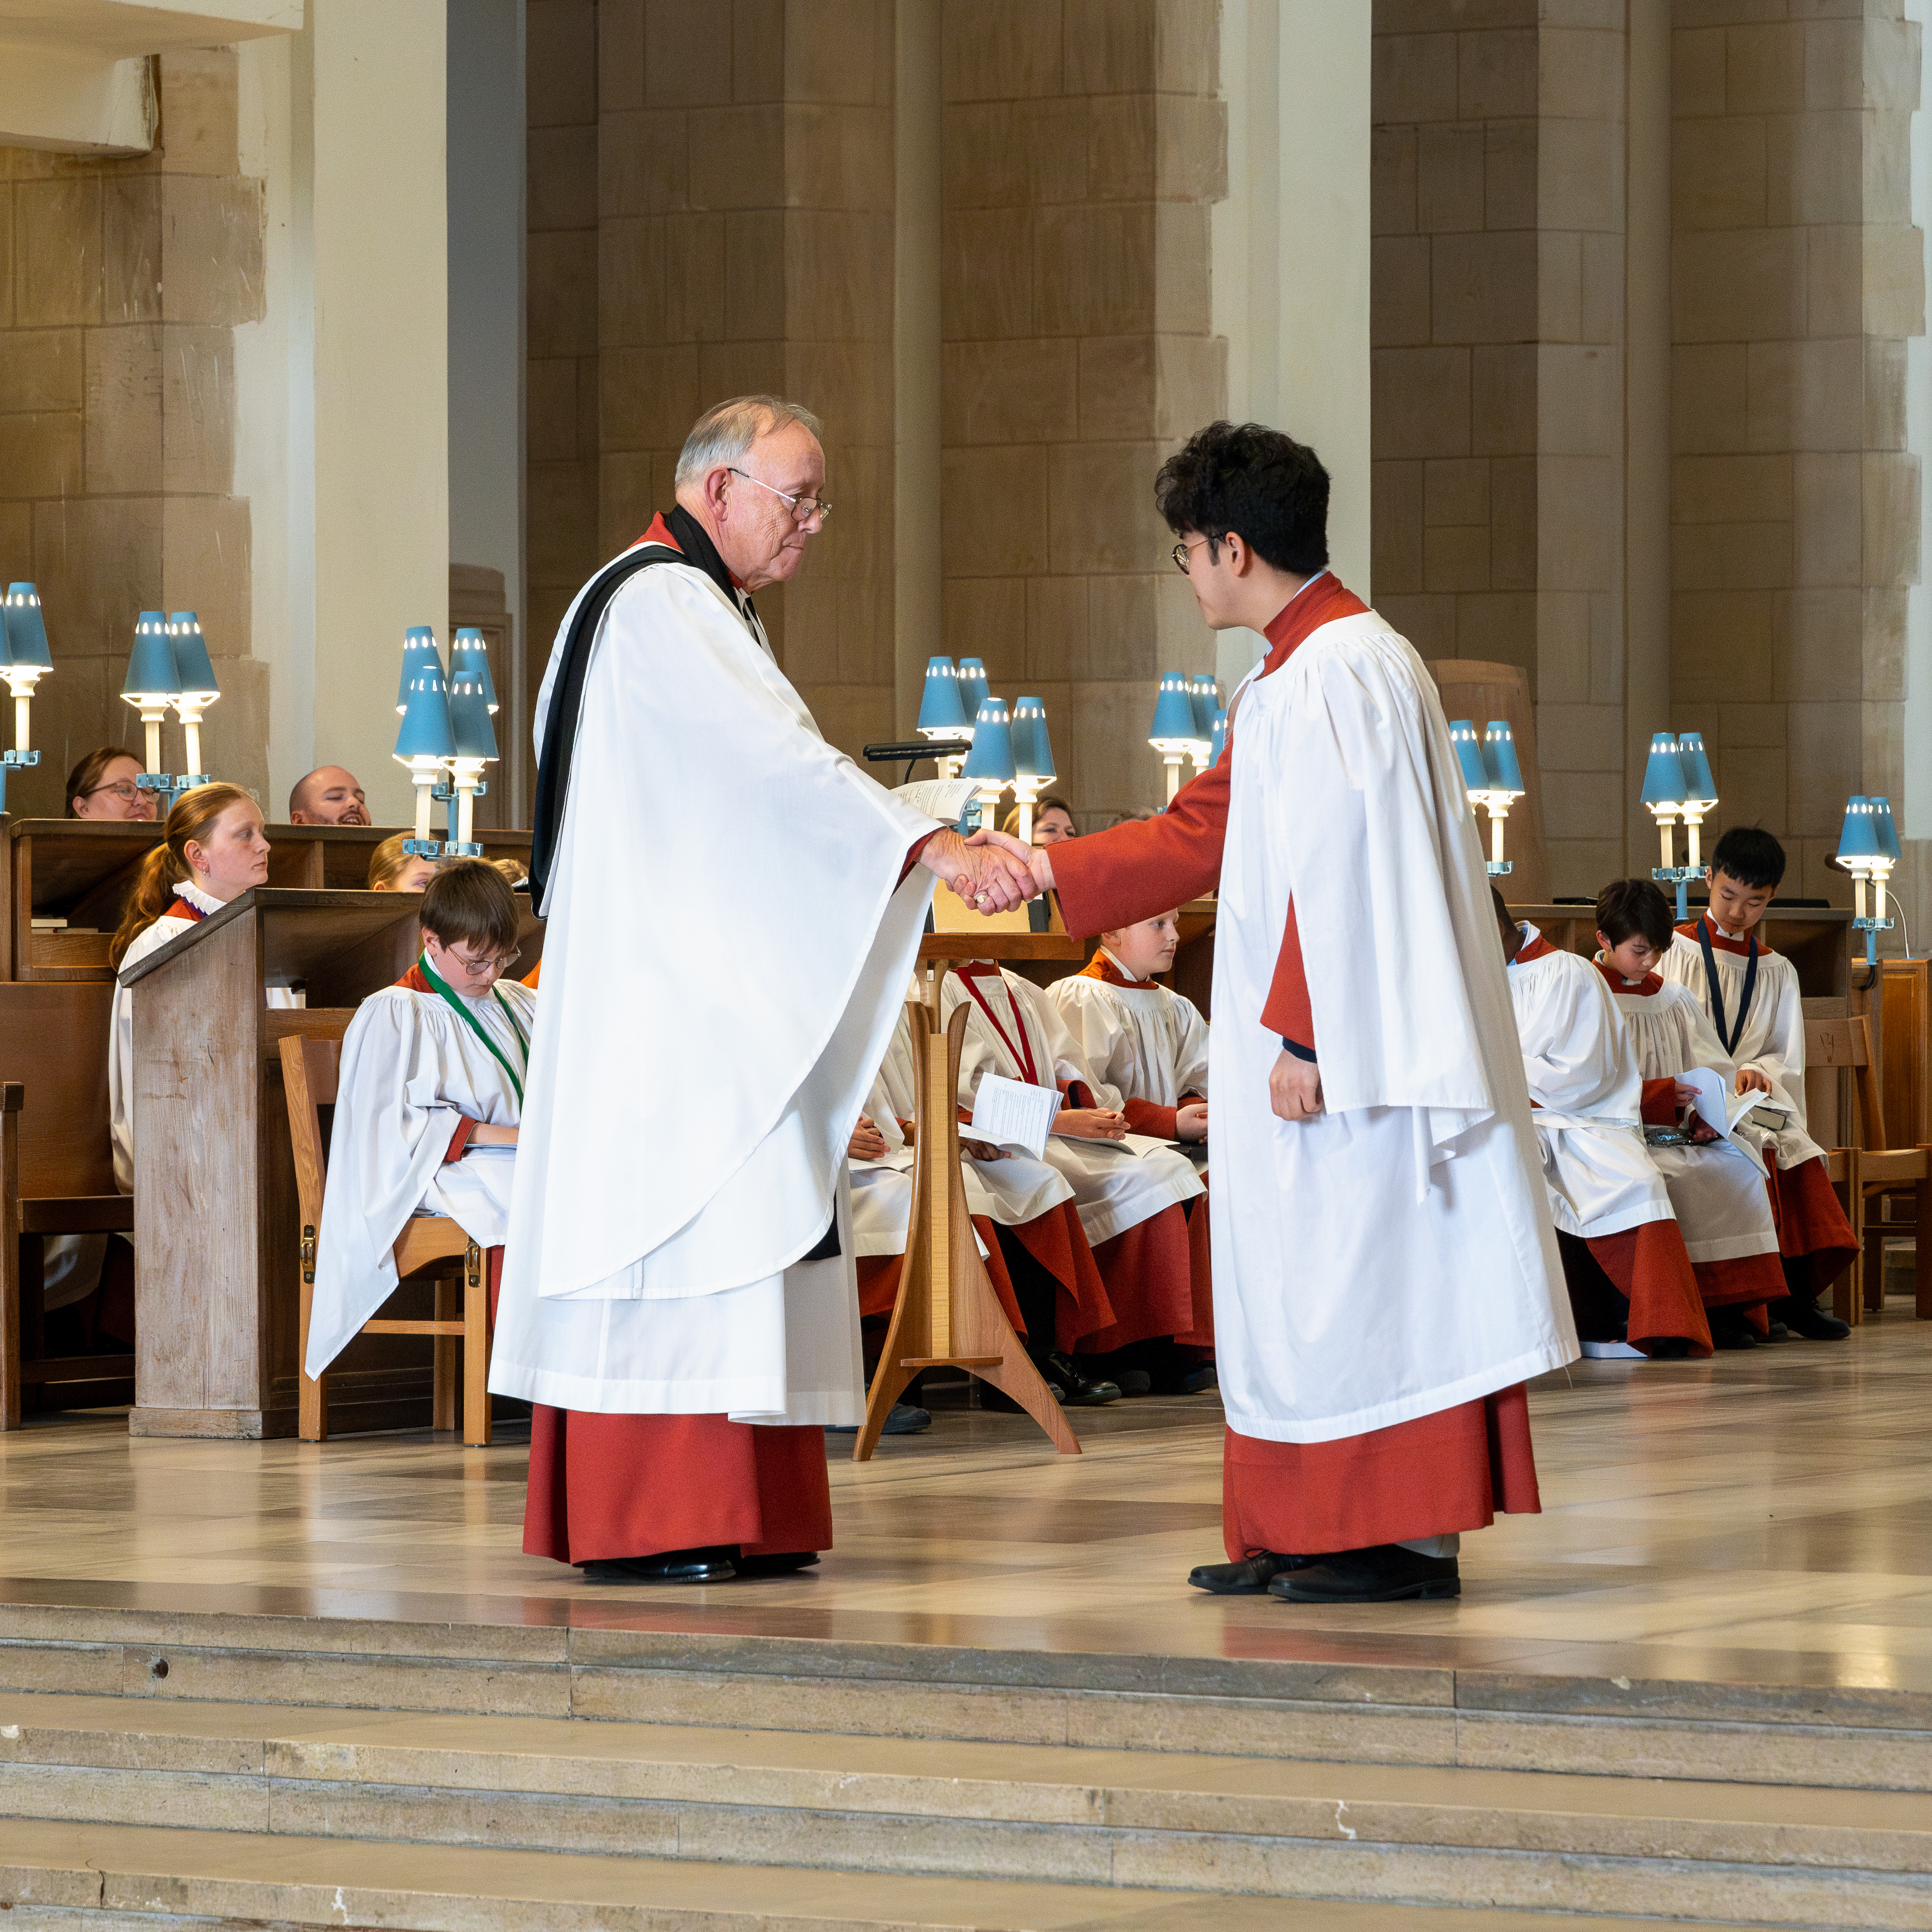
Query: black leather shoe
pixel 779 1563
pixel 1199 1381
pixel 713 1563
pixel 1076 1391
pixel 904 1419
pixel 1381 1575
pixel 1134 1381
pixel 1730 1329
pixel 1808 1319
pixel 1670 1349
pixel 1777 1332
pixel 1248 1578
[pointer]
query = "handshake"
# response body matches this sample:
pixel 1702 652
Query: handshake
pixel 990 871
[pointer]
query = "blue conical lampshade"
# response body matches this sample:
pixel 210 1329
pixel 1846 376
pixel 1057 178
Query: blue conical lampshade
pixel 1882 824
pixel 1173 726
pixel 470 657
pixel 972 691
pixel 192 665
pixel 1219 742
pixel 1696 767
pixel 425 731
pixel 1206 693
pixel 26 630
pixel 991 756
pixel 1499 754
pixel 1033 750
pixel 150 664
pixel 418 641
pixel 1858 842
pixel 1663 780
pixel 941 715
pixel 1468 743
pixel 469 725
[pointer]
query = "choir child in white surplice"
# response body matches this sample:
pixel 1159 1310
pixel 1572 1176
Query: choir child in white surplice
pixel 1717 1185
pixel 1750 996
pixel 1129 1190
pixel 1629 1278
pixel 1142 1047
pixel 428 1105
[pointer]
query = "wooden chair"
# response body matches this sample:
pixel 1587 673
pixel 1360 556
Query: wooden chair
pixel 1870 1173
pixel 310 1070
pixel 56 1169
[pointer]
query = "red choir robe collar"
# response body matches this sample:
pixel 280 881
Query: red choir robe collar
pixel 1641 989
pixel 413 981
pixel 185 909
pixel 659 532
pixel 1535 947
pixel 1320 601
pixel 1720 940
pixel 1105 968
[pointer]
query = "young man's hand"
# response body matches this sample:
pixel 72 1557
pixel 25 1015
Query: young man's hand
pixel 1090 1124
pixel 1750 1080
pixel 1190 1122
pixel 1295 1087
pixel 983 1150
pixel 867 1142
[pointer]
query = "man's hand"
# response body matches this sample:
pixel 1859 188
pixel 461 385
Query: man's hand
pixel 987 878
pixel 1034 857
pixel 983 1150
pixel 1090 1124
pixel 1750 1080
pixel 1295 1087
pixel 1190 1122
pixel 867 1142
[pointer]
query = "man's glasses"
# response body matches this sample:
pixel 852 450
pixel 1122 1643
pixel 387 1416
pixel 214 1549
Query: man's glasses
pixel 1181 552
pixel 803 508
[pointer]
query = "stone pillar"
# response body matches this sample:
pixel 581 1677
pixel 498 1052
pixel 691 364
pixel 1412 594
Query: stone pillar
pixel 1085 144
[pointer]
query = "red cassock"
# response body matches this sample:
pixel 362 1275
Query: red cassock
pixel 1448 1471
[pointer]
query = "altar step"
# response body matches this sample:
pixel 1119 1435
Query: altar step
pixel 310 1771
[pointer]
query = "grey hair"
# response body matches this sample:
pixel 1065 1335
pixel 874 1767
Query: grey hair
pixel 727 430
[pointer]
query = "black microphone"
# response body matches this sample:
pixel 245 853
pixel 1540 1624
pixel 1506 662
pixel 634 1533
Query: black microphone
pixel 918 747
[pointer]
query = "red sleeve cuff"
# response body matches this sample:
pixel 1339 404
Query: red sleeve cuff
pixel 1077 1093
pixel 1144 1117
pixel 1287 1012
pixel 912 857
pixel 1660 1103
pixel 459 1141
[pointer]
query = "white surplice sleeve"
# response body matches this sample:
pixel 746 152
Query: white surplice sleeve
pixel 1190 1055
pixel 1103 1047
pixel 1781 1056
pixel 1575 1051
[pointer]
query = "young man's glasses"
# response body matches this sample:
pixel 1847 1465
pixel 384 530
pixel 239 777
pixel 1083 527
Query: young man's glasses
pixel 1181 551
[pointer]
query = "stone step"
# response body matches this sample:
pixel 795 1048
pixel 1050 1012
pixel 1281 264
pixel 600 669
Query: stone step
pixel 1836 1736
pixel 120 1878
pixel 1706 1852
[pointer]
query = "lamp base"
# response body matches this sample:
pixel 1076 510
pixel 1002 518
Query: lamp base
pixel 17 759
pixel 443 792
pixel 1871 928
pixel 1498 868
pixel 168 786
pixel 1679 876
pixel 423 848
pixel 453 848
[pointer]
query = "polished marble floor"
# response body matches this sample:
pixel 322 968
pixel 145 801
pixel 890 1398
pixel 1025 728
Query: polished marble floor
pixel 1760 1518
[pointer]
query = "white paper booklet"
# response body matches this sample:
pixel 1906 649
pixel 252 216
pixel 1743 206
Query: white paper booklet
pixel 942 799
pixel 1014 1113
pixel 1722 1111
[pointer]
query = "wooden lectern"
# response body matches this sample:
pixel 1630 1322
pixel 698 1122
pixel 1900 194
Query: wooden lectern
pixel 948 1315
pixel 216 1240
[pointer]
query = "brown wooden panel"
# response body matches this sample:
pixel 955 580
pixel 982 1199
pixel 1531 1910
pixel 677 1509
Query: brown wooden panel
pixel 1906 991
pixel 53 1039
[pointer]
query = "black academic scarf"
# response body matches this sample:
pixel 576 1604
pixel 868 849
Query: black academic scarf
pixel 566 699
pixel 1715 988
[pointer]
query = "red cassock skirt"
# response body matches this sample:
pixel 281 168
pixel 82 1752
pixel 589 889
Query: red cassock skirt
pixel 1441 1473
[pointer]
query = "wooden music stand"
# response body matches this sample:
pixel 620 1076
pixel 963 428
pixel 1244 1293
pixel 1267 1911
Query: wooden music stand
pixel 947 1314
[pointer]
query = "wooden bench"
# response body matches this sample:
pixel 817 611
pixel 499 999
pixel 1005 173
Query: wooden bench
pixel 56 1167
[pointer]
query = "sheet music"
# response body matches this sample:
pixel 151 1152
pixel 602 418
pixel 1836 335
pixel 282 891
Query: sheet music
pixel 942 799
pixel 1014 1113
pixel 1722 1111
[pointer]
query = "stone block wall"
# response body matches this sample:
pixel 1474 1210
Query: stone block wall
pixel 1085 142
pixel 121 283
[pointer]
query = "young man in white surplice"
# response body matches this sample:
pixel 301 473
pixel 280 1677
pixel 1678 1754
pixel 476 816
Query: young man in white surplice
pixel 1142 1047
pixel 427 1106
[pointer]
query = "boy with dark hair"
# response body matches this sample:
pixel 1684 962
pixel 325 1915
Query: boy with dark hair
pixel 427 1104
pixel 1750 996
pixel 1717 1185
pixel 1632 1287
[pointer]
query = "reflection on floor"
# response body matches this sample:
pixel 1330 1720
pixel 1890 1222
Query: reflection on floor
pixel 1764 1517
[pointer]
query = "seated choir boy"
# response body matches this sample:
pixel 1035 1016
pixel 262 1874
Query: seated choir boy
pixel 428 1103
pixel 1629 1278
pixel 1750 994
pixel 1142 1049
pixel 1716 1185
pixel 1029 1235
pixel 1130 1200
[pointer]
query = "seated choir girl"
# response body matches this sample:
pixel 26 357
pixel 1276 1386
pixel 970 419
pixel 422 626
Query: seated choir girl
pixel 393 870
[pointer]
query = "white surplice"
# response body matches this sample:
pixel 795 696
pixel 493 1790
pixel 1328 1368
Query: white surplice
pixel 1391 1256
pixel 1584 1082
pixel 1772 1041
pixel 411 1070
pixel 693 1084
pixel 1717 1190
pixel 1145 1042
pixel 1116 1185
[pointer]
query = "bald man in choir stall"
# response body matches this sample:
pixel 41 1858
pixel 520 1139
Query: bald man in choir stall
pixel 1386 1277
pixel 329 795
pixel 732 912
pixel 1142 1047
pixel 1632 1287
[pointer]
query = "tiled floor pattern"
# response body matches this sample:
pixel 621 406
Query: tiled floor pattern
pixel 1761 1518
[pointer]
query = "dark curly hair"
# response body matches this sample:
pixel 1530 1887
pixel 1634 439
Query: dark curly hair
pixel 1265 487
pixel 1626 907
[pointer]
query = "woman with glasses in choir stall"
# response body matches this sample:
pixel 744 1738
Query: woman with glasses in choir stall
pixel 428 1103
pixel 102 786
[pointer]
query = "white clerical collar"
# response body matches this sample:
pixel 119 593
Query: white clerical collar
pixel 1529 936
pixel 1134 976
pixel 1315 579
pixel 1724 932
pixel 202 902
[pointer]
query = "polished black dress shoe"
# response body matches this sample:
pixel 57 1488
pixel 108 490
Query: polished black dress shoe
pixel 1381 1575
pixel 1199 1381
pixel 904 1419
pixel 1670 1349
pixel 778 1564
pixel 1248 1578
pixel 1808 1319
pixel 712 1564
pixel 1777 1332
pixel 1730 1329
pixel 1077 1390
